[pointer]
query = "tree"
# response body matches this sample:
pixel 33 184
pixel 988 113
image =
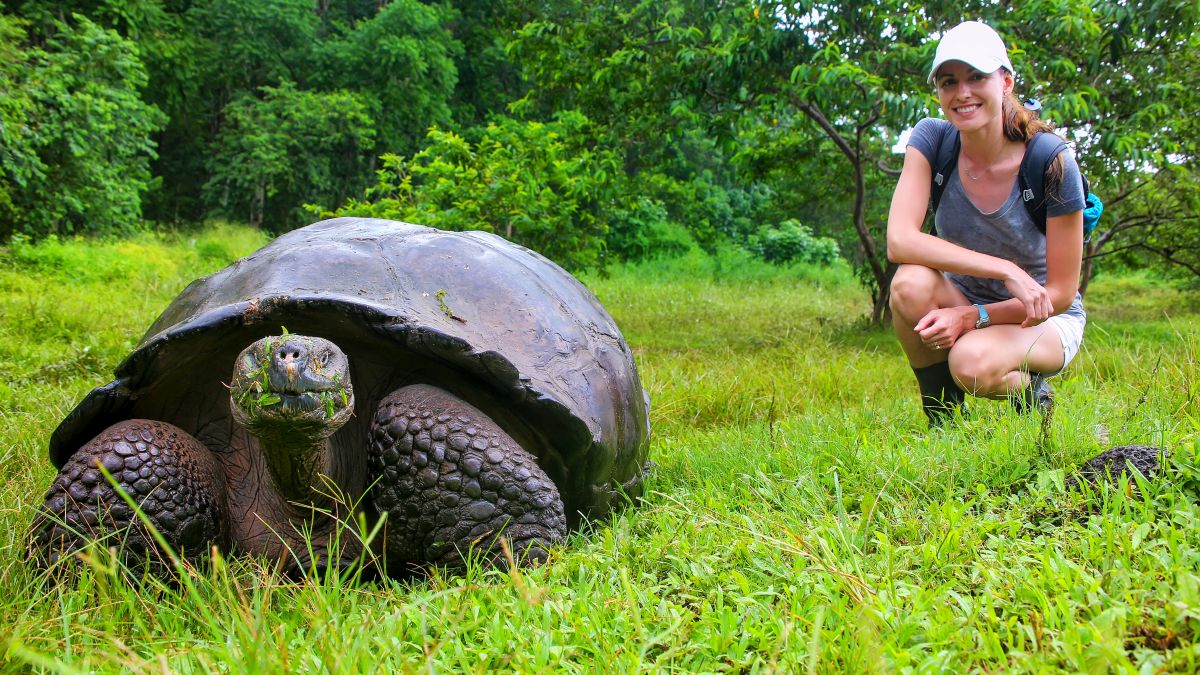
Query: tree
pixel 1122 79
pixel 20 167
pixel 859 87
pixel 488 80
pixel 286 147
pixel 77 138
pixel 542 185
pixel 1160 217
pixel 839 70
pixel 400 62
pixel 210 58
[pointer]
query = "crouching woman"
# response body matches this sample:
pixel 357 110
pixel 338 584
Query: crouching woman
pixel 990 305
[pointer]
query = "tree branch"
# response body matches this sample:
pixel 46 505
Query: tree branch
pixel 1162 253
pixel 887 170
pixel 817 116
pixel 1113 251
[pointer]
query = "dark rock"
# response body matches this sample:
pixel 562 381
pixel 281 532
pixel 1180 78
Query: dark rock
pixel 1115 462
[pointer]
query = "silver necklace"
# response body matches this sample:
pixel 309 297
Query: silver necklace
pixel 969 174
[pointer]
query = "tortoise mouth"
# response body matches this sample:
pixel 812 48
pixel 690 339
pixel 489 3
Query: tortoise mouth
pixel 287 404
pixel 256 402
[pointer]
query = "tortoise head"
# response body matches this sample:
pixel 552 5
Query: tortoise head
pixel 292 384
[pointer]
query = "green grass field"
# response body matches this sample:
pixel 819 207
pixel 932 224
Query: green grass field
pixel 800 518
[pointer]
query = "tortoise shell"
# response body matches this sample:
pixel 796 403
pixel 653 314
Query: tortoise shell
pixel 494 323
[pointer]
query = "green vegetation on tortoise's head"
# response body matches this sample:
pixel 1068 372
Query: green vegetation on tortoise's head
pixel 292 380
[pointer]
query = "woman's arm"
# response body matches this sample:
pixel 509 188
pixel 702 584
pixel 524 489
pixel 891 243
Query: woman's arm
pixel 1064 258
pixel 907 244
pixel 910 200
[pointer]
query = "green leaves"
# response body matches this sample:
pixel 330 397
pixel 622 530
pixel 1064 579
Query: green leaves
pixel 400 61
pixel 286 146
pixel 1121 80
pixel 691 106
pixel 76 143
pixel 543 185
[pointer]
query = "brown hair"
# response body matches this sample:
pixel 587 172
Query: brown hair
pixel 1020 124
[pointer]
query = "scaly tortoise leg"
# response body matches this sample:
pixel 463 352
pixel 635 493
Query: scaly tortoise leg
pixel 173 478
pixel 451 481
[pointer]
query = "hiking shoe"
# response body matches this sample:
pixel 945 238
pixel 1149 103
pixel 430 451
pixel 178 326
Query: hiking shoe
pixel 1037 395
pixel 940 394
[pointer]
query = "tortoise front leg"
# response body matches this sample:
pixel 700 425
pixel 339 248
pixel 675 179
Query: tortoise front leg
pixel 451 480
pixel 172 477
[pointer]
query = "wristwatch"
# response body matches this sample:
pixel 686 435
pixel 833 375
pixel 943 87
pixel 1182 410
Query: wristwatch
pixel 984 320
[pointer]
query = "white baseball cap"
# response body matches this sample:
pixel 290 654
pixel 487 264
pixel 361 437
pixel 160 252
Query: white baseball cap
pixel 975 44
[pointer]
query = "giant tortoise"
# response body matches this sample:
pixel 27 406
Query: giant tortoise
pixel 464 388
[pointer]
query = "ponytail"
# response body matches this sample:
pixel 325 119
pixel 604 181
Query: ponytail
pixel 1020 124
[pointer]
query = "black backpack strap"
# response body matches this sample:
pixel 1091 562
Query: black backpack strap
pixel 944 163
pixel 1039 152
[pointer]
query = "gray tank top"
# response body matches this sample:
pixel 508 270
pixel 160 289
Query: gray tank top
pixel 1008 232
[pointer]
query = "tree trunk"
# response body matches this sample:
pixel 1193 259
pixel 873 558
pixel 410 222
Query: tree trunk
pixel 881 310
pixel 1091 250
pixel 258 205
pixel 881 272
pixel 1085 274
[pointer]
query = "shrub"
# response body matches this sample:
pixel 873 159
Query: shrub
pixel 544 185
pixel 645 230
pixel 792 242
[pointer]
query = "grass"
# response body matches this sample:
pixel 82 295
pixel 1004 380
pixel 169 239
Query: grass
pixel 799 518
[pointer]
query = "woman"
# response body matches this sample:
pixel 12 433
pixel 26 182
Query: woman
pixel 990 306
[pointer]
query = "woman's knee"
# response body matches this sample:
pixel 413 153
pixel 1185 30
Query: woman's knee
pixel 975 367
pixel 913 286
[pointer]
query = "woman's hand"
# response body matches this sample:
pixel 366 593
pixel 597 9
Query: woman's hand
pixel 1034 296
pixel 941 328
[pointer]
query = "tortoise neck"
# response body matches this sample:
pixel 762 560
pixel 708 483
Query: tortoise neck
pixel 301 464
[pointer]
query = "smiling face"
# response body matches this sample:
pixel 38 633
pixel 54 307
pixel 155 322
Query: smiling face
pixel 970 99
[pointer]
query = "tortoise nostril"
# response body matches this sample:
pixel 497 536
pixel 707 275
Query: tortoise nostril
pixel 290 353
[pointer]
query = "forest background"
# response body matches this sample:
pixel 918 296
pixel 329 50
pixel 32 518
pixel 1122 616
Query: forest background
pixel 799 518
pixel 589 131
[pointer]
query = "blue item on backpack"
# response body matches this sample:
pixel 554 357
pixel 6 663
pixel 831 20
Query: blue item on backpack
pixel 1091 215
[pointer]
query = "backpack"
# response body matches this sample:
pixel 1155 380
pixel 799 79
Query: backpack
pixel 1039 152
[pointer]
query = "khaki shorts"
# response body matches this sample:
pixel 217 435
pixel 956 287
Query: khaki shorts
pixel 1070 332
